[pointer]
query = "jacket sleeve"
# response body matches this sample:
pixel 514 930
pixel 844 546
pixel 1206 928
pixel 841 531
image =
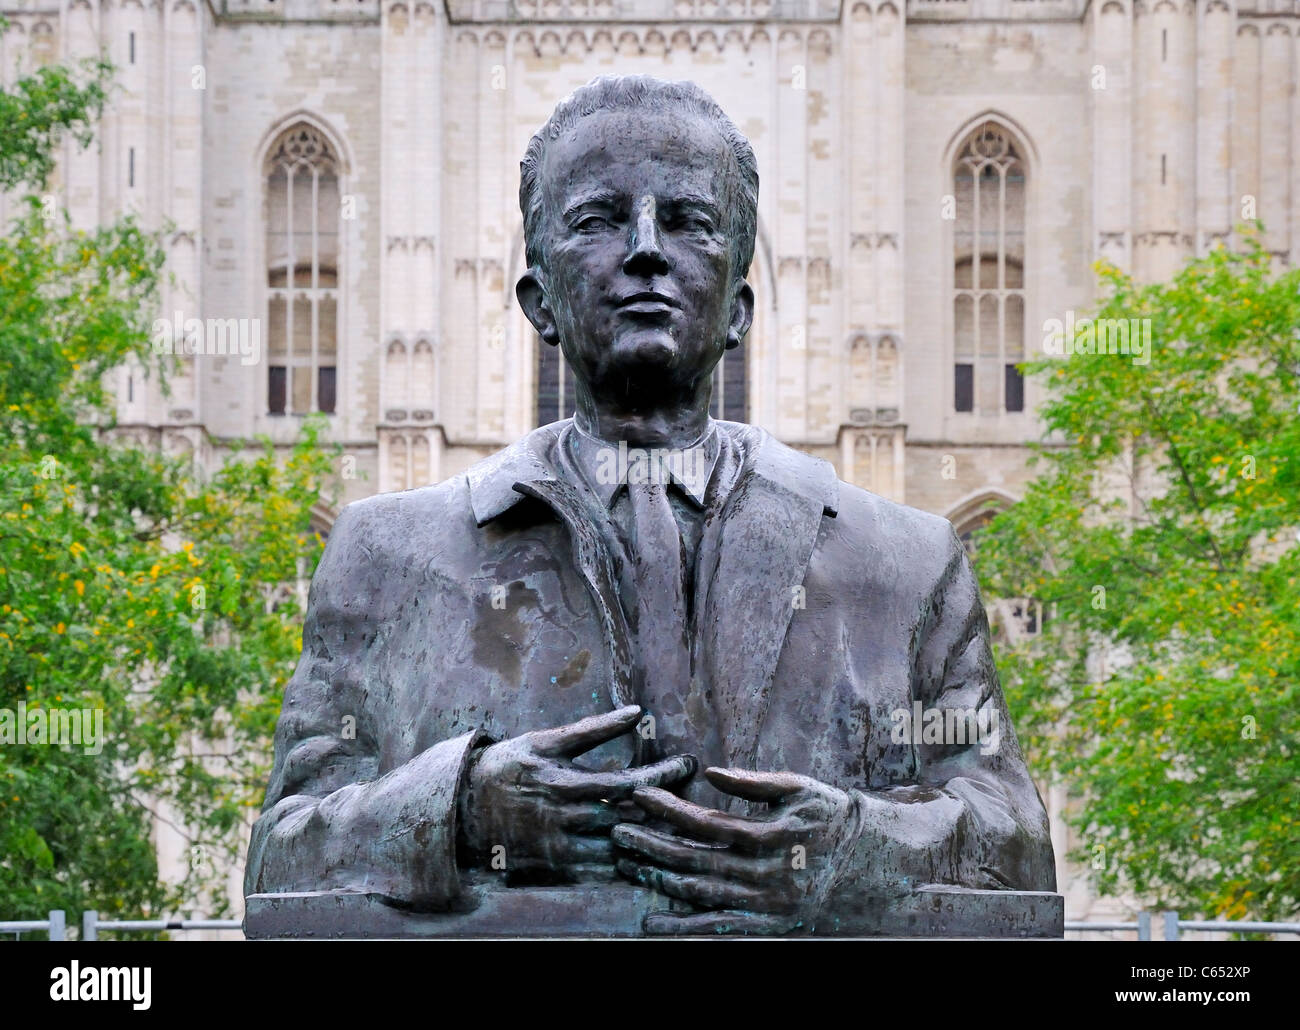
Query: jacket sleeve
pixel 330 821
pixel 971 817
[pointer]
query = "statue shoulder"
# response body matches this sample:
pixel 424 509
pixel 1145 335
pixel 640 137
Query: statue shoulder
pixel 791 469
pixel 390 527
pixel 914 539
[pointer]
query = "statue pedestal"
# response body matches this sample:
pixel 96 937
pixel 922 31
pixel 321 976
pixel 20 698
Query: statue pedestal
pixel 616 910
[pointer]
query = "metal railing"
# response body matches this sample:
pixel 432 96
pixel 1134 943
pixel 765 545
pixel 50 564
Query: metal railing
pixel 55 925
pixel 1171 926
pixel 91 924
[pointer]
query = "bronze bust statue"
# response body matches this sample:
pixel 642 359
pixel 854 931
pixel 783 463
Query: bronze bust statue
pixel 643 652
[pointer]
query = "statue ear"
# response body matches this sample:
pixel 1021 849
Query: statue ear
pixel 742 314
pixel 532 298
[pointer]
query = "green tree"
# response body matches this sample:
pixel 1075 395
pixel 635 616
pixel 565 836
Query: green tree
pixel 1162 534
pixel 131 584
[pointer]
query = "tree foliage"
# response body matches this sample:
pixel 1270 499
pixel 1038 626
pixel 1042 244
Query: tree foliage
pixel 1162 534
pixel 131 582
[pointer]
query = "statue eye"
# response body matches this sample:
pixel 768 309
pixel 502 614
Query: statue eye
pixel 695 223
pixel 591 223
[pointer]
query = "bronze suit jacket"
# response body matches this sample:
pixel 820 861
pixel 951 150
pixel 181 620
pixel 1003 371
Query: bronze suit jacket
pixel 407 665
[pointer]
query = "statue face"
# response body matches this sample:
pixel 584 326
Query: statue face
pixel 637 285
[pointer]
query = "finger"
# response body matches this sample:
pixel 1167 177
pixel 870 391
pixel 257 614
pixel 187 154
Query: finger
pixel 588 851
pixel 580 785
pixel 756 924
pixel 593 873
pixel 592 816
pixel 711 825
pixel 757 786
pixel 577 872
pixel 585 734
pixel 704 891
pixel 560 850
pixel 679 854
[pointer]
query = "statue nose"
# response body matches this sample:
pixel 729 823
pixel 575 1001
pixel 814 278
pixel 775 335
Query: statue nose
pixel 645 254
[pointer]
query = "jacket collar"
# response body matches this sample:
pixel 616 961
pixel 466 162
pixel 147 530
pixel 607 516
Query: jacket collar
pixel 689 469
pixel 492 481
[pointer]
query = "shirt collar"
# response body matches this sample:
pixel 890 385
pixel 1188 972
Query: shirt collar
pixel 605 467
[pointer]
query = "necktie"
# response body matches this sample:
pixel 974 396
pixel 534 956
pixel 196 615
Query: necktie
pixel 660 608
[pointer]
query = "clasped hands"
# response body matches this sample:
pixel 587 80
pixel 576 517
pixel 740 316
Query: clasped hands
pixel 526 804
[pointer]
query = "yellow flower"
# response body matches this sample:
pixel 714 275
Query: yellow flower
pixel 81 588
pixel 60 628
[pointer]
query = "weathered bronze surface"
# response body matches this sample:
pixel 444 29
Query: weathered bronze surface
pixel 642 653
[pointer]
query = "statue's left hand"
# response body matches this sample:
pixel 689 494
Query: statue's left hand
pixel 763 874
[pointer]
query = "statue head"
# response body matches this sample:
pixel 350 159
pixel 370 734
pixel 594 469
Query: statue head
pixel 640 205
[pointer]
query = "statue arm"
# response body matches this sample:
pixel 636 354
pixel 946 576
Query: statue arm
pixel 972 817
pixel 330 821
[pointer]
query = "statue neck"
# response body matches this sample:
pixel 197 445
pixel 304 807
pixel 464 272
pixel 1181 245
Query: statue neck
pixel 668 426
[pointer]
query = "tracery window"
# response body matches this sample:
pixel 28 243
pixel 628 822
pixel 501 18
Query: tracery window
pixel 302 272
pixel 988 273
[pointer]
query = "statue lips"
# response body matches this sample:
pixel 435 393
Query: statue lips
pixel 648 302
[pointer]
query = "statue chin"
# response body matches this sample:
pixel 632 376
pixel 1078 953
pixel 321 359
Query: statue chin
pixel 650 346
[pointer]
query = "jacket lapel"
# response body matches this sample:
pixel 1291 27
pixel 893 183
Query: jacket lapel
pixel 751 570
pixel 526 469
pixel 750 567
pixel 598 573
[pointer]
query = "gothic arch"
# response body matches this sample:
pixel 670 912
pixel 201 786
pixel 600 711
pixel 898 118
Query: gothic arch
pixel 397 380
pixel 974 509
pixel 321 125
pixel 322 518
pixel 1004 121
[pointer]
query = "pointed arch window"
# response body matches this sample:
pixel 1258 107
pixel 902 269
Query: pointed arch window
pixel 302 272
pixel 728 399
pixel 989 273
pixel 555 391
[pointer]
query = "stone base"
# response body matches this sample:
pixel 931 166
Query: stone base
pixel 617 910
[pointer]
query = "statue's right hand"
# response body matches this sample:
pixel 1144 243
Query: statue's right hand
pixel 527 808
